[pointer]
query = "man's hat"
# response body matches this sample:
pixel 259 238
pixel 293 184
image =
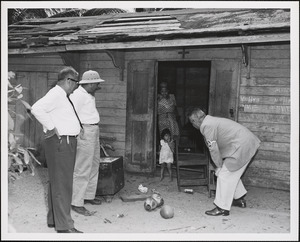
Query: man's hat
pixel 90 77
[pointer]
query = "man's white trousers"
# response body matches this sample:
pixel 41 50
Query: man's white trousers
pixel 87 162
pixel 229 187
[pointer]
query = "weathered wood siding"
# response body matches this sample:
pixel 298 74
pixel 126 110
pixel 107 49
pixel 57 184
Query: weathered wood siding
pixel 265 98
pixel 36 73
pixel 265 109
pixel 110 100
pixel 264 101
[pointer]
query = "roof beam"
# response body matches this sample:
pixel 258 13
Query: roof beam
pixel 266 38
pixel 48 49
pixel 184 42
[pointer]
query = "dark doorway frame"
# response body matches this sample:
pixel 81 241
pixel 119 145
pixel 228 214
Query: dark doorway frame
pixel 181 67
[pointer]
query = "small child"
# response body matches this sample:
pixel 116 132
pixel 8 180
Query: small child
pixel 166 157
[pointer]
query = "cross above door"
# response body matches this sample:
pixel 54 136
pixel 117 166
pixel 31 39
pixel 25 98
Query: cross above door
pixel 183 52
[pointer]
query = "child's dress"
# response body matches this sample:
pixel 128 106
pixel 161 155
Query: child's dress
pixel 166 154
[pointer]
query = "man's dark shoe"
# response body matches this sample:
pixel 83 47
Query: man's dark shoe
pixel 93 201
pixel 82 211
pixel 217 211
pixel 73 230
pixel 239 203
pixel 51 225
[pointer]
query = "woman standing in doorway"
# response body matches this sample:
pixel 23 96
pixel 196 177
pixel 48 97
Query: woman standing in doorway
pixel 167 112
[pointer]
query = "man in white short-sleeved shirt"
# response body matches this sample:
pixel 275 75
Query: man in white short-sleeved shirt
pixel 86 169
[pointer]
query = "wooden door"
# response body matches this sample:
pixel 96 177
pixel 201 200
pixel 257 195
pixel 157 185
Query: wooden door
pixel 140 121
pixel 224 86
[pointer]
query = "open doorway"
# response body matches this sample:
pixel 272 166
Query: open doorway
pixel 189 82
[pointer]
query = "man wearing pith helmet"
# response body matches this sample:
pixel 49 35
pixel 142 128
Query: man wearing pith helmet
pixel 86 169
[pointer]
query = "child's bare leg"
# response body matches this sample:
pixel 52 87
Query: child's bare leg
pixel 162 168
pixel 169 166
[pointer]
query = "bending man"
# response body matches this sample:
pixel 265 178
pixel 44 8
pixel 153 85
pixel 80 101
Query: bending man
pixel 231 147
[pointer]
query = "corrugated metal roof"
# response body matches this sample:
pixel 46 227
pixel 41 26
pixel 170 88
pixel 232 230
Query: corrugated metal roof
pixel 165 25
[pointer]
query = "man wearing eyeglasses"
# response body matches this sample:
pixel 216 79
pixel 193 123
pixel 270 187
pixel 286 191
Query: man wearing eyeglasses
pixel 61 127
pixel 86 170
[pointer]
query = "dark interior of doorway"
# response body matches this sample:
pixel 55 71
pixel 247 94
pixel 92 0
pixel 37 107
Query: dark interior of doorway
pixel 189 82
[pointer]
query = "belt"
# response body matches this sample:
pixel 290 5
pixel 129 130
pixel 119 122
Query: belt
pixel 61 136
pixel 91 124
pixel 68 137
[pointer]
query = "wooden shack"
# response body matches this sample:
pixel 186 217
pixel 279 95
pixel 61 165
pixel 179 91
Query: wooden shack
pixel 233 63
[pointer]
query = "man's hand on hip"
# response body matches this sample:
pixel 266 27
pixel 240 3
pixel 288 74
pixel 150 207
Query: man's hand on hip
pixel 52 132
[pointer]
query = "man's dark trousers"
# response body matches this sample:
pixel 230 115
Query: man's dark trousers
pixel 60 157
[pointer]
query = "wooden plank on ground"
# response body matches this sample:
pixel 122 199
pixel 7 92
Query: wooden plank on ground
pixel 134 197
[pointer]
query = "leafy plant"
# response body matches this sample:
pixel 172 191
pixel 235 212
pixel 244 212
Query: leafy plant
pixel 19 157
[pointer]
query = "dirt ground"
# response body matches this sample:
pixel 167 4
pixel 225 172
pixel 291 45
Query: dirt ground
pixel 267 214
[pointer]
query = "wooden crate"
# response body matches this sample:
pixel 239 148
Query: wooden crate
pixel 111 176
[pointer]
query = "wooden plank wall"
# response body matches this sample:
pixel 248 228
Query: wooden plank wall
pixel 265 109
pixel 36 73
pixel 265 98
pixel 50 64
pixel 110 100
